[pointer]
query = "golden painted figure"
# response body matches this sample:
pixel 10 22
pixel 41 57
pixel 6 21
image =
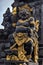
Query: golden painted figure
pixel 25 35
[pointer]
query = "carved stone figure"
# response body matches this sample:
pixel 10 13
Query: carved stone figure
pixel 24 27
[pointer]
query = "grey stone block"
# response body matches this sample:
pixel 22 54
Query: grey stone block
pixel 32 63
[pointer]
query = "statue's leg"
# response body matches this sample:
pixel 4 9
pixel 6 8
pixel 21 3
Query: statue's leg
pixel 36 52
pixel 21 54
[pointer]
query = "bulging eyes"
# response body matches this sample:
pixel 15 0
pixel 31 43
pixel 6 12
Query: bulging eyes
pixel 24 14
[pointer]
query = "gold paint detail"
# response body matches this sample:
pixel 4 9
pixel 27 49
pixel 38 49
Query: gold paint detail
pixel 14 24
pixel 20 38
pixel 25 7
pixel 21 54
pixel 14 11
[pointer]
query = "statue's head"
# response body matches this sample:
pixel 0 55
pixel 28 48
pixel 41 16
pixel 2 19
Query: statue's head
pixel 24 11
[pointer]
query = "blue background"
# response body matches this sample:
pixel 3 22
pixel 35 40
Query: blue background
pixel 4 4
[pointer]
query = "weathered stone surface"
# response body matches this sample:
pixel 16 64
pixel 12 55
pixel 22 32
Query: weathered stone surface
pixel 31 63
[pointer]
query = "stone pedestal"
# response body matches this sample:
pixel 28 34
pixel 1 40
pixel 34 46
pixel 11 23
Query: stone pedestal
pixel 32 63
pixel 17 63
